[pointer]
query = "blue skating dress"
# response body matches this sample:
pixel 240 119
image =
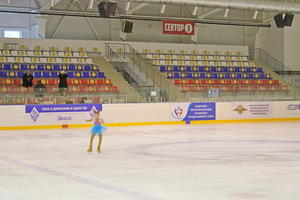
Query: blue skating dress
pixel 97 129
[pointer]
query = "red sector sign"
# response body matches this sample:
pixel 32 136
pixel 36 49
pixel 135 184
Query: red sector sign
pixel 178 27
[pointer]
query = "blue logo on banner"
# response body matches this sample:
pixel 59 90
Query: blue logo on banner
pixel 201 111
pixel 35 110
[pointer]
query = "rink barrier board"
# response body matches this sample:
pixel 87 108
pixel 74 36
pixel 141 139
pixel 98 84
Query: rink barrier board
pixel 147 123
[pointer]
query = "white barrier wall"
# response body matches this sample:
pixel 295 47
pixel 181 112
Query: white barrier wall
pixel 14 116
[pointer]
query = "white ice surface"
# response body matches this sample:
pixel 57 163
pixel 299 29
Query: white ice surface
pixel 199 162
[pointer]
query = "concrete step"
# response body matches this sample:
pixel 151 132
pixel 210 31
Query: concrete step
pixel 125 89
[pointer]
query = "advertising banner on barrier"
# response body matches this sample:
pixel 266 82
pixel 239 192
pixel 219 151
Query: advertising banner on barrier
pixel 293 109
pixel 60 113
pixel 193 111
pixel 251 110
pixel 178 27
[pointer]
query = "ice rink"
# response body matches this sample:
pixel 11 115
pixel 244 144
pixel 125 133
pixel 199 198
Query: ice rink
pixel 238 161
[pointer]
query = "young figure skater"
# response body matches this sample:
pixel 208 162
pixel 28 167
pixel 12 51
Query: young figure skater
pixel 97 129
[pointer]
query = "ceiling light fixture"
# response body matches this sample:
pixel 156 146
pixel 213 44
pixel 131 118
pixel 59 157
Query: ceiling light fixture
pixel 127 7
pixel 52 3
pixel 226 12
pixel 163 9
pixel 255 14
pixel 195 10
pixel 91 4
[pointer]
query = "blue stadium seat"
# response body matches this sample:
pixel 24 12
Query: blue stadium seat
pixel 87 67
pixel 213 69
pixel 72 67
pixel 214 75
pixel 46 74
pixel 7 66
pixel 20 74
pixel 239 75
pixel 54 74
pixel 86 74
pixel 56 67
pixel 262 76
pixel 237 69
pixel 189 75
pixel 259 70
pixel 40 67
pixel 227 75
pixel 188 69
pixel 225 69
pixel 101 75
pixel 176 75
pixel 176 69
pixel 162 68
pixel 37 74
pixel 72 74
pixel 24 67
pixel 3 74
pixel 202 75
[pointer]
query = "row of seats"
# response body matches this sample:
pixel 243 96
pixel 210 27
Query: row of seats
pixel 210 69
pixel 249 88
pixel 195 57
pixel 72 89
pixel 47 74
pixel 49 48
pixel 42 53
pixel 177 75
pixel 182 51
pixel 50 67
pixel 17 82
pixel 225 82
pixel 202 63
pixel 44 60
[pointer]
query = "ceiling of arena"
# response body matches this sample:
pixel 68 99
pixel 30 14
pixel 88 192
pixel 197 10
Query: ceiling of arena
pixel 144 9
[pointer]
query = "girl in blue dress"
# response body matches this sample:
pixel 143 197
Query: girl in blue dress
pixel 97 129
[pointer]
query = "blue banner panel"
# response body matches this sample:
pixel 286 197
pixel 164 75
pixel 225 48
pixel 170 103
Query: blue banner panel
pixel 201 111
pixel 63 108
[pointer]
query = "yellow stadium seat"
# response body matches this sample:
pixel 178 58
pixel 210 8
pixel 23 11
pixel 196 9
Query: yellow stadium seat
pixel 171 51
pixel 181 51
pixel 38 53
pixel 50 60
pixel 22 53
pixel 18 59
pixel 37 47
pixel 159 51
pixel 23 47
pixel 53 53
pixel 52 48
pixel 68 53
pixel 82 54
pixel 35 60
pixel 67 48
pixel 66 60
pixel 194 52
pixel 205 52
pixel 6 52
pixel 81 49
